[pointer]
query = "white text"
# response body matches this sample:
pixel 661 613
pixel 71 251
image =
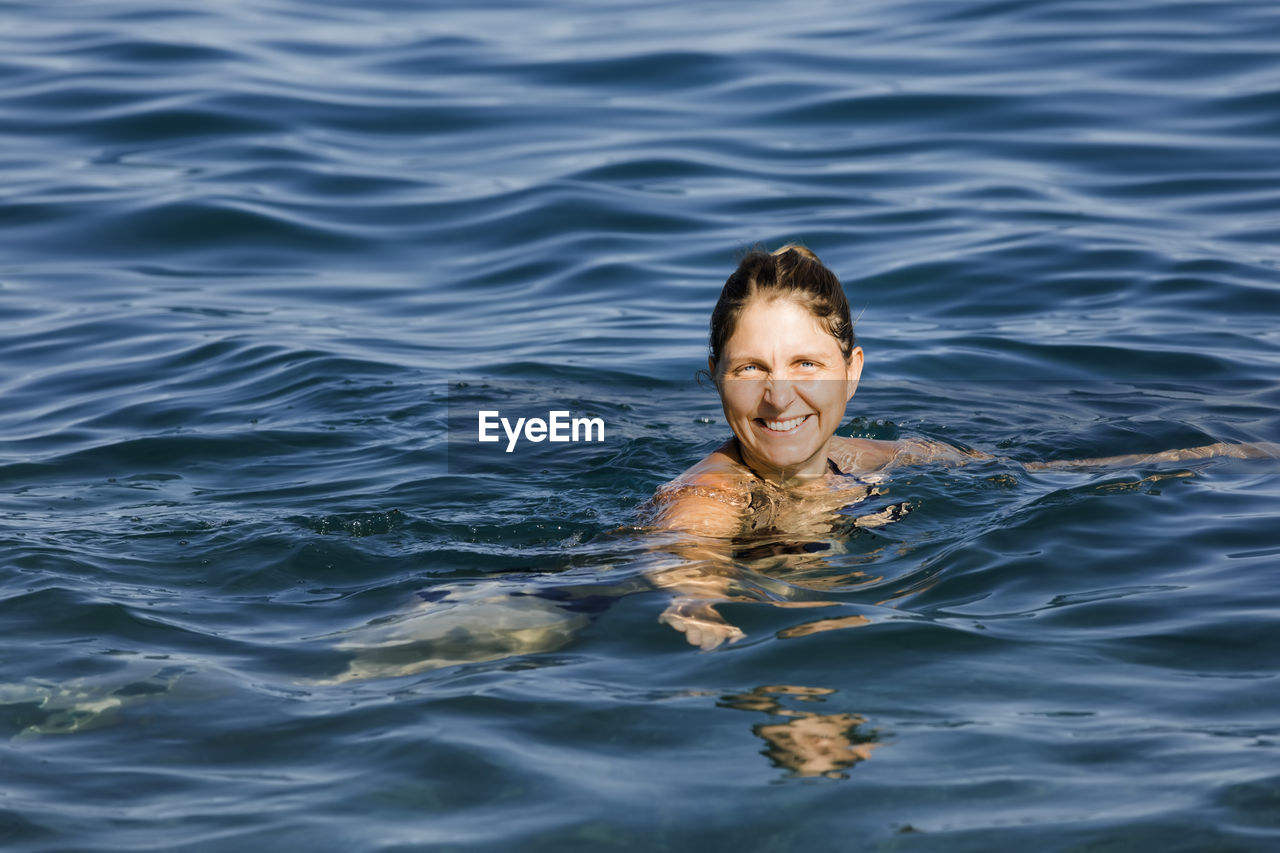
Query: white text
pixel 558 427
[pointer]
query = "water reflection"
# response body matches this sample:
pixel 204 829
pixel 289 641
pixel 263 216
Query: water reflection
pixel 817 626
pixel 806 743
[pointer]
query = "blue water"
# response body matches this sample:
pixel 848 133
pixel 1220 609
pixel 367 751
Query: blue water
pixel 260 591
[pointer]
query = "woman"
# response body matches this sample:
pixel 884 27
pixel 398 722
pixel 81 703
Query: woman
pixel 785 362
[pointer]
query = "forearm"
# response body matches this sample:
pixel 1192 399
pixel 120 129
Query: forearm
pixel 699 580
pixel 920 451
pixel 1262 450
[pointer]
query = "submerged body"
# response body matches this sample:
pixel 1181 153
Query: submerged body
pixel 756 520
pixel 454 624
pixel 721 496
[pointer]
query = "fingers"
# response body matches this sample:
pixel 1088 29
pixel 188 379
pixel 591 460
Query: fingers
pixel 888 515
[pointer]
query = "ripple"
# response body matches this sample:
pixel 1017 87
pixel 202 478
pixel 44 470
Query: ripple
pixel 255 252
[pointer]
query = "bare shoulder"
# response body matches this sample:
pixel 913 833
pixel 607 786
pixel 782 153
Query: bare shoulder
pixel 862 455
pixel 709 498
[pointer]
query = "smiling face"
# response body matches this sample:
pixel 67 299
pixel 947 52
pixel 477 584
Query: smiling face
pixel 784 383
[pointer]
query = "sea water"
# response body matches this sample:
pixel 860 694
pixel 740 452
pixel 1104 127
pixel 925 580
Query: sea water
pixel 260 588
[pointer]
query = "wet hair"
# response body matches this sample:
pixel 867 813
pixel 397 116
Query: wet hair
pixel 792 272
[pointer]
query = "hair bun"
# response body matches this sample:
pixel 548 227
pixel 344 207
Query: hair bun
pixel 804 251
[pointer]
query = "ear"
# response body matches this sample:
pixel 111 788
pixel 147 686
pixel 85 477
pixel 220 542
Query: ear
pixel 853 372
pixel 711 369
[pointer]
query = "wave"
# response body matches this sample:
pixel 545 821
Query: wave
pixel 257 254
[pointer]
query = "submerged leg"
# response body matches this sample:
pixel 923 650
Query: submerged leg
pixel 457 624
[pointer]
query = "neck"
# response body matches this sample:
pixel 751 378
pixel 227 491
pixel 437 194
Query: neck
pixel 813 468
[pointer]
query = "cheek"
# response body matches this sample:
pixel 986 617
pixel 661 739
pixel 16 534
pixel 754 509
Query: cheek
pixel 830 399
pixel 740 395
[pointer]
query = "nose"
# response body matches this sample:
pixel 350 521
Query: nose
pixel 779 393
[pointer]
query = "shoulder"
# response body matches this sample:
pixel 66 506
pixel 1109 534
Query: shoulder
pixel 709 499
pixel 862 455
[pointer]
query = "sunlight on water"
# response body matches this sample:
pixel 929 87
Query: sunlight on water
pixel 265 263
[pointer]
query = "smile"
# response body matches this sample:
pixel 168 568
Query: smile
pixel 790 425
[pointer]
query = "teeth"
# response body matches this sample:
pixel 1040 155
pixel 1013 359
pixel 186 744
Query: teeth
pixel 783 426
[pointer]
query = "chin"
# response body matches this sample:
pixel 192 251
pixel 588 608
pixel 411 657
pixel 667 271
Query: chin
pixel 789 461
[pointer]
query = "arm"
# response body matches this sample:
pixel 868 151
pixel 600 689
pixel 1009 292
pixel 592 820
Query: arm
pixel 1262 450
pixel 706 514
pixel 705 511
pixel 865 455
pixel 923 451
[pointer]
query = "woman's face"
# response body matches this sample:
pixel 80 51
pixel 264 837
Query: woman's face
pixel 784 385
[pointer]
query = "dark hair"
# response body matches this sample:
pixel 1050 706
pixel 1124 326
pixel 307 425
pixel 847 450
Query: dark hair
pixel 792 272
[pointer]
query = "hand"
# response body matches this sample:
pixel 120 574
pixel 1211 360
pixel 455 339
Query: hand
pixel 702 625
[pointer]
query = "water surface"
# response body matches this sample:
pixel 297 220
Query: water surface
pixel 255 255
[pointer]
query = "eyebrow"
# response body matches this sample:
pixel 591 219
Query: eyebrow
pixel 756 359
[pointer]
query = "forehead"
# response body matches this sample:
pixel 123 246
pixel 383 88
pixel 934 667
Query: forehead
pixel 778 323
